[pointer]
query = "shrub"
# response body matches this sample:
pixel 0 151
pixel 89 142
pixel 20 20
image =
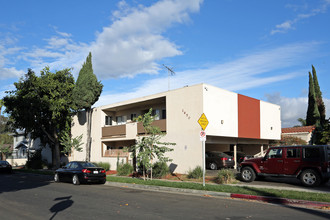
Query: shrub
pixel 124 169
pixel 196 173
pixel 35 161
pixel 160 169
pixel 226 176
pixel 104 165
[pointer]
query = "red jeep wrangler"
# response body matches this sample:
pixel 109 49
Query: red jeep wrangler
pixel 309 163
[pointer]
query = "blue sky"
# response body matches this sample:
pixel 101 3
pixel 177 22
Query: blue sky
pixel 262 49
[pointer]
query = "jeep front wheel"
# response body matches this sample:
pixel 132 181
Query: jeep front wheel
pixel 248 174
pixel 310 178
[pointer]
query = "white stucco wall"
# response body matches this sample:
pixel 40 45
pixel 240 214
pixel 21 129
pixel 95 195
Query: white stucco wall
pixel 184 107
pixel 220 108
pixel 270 121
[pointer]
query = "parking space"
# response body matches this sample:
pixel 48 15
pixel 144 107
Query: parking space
pixel 278 182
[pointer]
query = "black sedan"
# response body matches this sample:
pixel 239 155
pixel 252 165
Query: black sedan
pixel 5 167
pixel 216 160
pixel 80 172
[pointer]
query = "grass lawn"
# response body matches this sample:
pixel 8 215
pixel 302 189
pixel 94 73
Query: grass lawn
pixel 289 194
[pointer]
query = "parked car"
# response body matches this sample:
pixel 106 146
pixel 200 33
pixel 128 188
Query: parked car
pixel 309 163
pixel 80 172
pixel 216 160
pixel 5 167
pixel 240 156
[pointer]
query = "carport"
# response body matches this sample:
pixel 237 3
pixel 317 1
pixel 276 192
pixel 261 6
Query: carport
pixel 248 146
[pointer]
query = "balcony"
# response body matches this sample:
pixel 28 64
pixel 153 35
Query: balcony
pixel 111 131
pixel 158 123
pixel 130 130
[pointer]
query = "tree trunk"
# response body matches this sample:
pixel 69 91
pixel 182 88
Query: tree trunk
pixel 57 156
pixel 89 128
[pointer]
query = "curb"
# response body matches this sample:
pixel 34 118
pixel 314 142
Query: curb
pixel 267 199
pixel 282 201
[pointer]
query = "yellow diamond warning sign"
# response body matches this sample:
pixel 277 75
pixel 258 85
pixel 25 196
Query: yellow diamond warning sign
pixel 203 122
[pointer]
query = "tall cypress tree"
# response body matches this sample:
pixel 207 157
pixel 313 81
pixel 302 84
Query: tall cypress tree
pixel 313 114
pixel 86 92
pixel 318 97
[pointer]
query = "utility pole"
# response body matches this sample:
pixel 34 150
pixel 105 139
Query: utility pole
pixel 170 73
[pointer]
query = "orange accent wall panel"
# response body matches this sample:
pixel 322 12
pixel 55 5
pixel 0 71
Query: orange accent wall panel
pixel 248 117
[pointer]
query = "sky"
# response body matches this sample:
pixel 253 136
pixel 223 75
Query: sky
pixel 262 49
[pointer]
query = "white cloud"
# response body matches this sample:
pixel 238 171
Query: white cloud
pixel 289 24
pixel 250 71
pixel 133 43
pixel 293 108
pixel 7 73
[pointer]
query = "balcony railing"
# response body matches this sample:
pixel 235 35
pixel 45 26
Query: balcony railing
pixel 115 153
pixel 158 123
pixel 120 130
pixel 117 130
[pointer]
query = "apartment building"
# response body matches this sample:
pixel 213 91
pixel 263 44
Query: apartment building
pixel 236 122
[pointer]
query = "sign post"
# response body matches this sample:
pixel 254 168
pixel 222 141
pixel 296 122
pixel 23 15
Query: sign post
pixel 203 122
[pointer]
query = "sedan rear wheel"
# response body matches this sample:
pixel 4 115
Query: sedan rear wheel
pixel 213 166
pixel 75 180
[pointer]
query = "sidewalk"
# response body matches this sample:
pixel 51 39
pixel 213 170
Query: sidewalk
pixel 275 200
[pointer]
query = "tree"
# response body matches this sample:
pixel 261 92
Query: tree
pixel 326 133
pixel 149 146
pixel 318 97
pixel 5 150
pixel 1 104
pixel 288 141
pixel 70 143
pixel 302 122
pixel 313 114
pixel 86 92
pixel 42 107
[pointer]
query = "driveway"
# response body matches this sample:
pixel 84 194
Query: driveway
pixel 279 182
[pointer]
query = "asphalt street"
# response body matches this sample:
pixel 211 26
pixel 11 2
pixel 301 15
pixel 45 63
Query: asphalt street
pixel 31 196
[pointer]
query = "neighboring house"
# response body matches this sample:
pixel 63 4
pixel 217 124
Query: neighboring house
pixel 304 132
pixel 236 122
pixel 24 145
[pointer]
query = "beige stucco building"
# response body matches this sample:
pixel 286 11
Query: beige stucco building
pixel 236 122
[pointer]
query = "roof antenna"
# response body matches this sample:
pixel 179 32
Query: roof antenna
pixel 170 73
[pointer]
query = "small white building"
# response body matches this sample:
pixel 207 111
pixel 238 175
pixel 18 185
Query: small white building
pixel 236 122
pixel 25 144
pixel 304 132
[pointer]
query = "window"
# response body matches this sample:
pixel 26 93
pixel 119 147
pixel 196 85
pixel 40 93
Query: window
pixel 74 166
pixel 292 153
pixel 121 120
pixel 312 152
pixel 108 120
pixel 164 114
pixel 133 116
pixel 275 153
pixel 156 114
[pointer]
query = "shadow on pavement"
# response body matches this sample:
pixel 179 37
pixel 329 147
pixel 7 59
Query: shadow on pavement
pixel 65 203
pixel 21 181
pixel 276 200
